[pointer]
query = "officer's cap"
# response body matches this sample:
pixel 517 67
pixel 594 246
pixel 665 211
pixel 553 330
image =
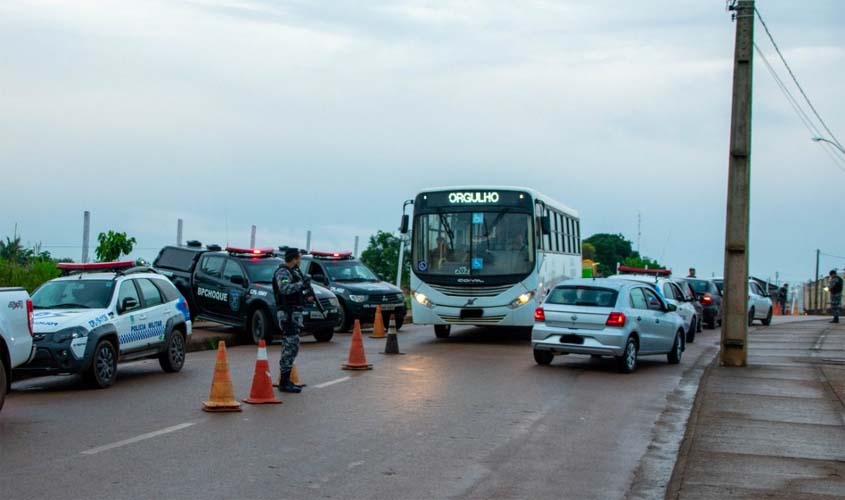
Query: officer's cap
pixel 291 253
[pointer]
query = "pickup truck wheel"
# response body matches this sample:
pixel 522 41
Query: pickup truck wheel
pixel 324 335
pixel 344 322
pixel 259 327
pixel 103 370
pixel 442 331
pixel 3 383
pixel 173 357
pixel 399 320
pixel 711 324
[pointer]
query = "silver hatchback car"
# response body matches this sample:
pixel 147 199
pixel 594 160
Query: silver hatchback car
pixel 603 317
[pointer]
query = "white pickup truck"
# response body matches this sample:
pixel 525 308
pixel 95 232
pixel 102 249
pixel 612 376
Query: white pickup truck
pixel 16 314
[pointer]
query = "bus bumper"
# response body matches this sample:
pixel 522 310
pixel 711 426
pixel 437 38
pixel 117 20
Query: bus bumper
pixel 492 316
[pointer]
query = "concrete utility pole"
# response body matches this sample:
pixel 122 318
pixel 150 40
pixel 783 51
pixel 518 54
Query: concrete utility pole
pixel 355 252
pixel 86 234
pixel 179 232
pixel 252 237
pixel 734 348
pixel 308 241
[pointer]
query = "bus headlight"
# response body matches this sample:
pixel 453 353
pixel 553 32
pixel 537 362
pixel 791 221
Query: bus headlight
pixel 422 299
pixel 522 300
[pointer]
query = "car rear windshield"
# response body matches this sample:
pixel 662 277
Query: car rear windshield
pixel 176 258
pixel 588 296
pixel 700 286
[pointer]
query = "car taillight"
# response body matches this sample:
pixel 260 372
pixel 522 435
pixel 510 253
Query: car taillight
pixel 707 299
pixel 30 315
pixel 615 319
pixel 539 314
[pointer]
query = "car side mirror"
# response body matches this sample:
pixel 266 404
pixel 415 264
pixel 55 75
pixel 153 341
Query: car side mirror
pixel 403 226
pixel 128 303
pixel 671 308
pixel 546 225
pixel 238 280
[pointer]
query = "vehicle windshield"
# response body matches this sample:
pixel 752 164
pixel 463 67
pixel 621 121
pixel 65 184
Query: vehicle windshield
pixel 473 244
pixel 700 286
pixel 261 270
pixel 587 296
pixel 350 270
pixel 74 294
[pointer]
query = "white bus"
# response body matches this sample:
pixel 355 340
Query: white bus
pixel 488 255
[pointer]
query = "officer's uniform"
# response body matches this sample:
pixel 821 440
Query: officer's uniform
pixel 836 296
pixel 289 286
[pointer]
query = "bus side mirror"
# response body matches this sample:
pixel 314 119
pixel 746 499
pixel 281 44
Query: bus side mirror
pixel 403 227
pixel 546 225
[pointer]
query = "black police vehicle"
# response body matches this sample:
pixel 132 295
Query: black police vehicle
pixel 235 287
pixel 358 289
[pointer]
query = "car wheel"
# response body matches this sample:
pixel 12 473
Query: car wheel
pixel 751 317
pixel 768 320
pixel 628 361
pixel 692 330
pixel 543 357
pixel 442 331
pixel 674 356
pixel 699 326
pixel 173 358
pixel 324 335
pixel 711 324
pixel 103 370
pixel 344 321
pixel 3 383
pixel 260 327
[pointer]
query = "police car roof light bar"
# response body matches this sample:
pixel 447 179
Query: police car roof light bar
pixel 95 266
pixel 332 255
pixel 636 270
pixel 250 251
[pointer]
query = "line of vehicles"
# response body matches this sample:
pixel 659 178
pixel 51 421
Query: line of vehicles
pixel 484 256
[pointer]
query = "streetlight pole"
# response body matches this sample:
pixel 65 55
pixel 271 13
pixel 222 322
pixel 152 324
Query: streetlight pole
pixel 834 144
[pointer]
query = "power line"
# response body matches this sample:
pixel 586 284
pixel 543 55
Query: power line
pixel 794 79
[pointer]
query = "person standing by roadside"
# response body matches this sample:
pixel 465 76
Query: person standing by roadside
pixel 691 272
pixel 290 288
pixel 835 288
pixel 783 295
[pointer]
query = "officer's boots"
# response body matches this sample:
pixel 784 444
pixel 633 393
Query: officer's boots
pixel 285 385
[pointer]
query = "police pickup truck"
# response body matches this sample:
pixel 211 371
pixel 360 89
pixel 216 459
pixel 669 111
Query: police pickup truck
pixel 235 287
pixel 358 289
pixel 15 334
pixel 102 313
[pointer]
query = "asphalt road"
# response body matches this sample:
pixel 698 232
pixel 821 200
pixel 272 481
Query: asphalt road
pixel 472 417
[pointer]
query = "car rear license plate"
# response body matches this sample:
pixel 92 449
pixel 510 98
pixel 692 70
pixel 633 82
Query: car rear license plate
pixel 572 339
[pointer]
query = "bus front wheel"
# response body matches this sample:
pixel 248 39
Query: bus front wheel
pixel 442 331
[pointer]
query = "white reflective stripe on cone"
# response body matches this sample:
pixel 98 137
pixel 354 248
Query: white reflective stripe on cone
pixel 262 354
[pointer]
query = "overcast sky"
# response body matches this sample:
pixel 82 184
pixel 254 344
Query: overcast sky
pixel 326 115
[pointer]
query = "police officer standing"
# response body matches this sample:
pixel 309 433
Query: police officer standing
pixel 291 289
pixel 835 288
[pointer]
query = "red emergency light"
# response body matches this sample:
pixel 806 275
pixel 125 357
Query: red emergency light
pixel 95 266
pixel 332 255
pixel 250 251
pixel 637 270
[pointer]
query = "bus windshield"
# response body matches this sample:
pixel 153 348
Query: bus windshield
pixel 491 243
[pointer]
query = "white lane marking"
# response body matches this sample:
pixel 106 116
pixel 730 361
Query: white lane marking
pixel 142 437
pixel 331 382
pixel 409 369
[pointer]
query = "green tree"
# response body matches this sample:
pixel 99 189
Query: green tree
pixel 588 251
pixel 611 249
pixel 112 245
pixel 381 254
pixel 12 250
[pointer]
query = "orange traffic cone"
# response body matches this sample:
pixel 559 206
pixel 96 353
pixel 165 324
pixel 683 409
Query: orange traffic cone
pixel 357 358
pixel 222 396
pixel 777 311
pixel 262 382
pixel 795 307
pixel 378 325
pixel 294 377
